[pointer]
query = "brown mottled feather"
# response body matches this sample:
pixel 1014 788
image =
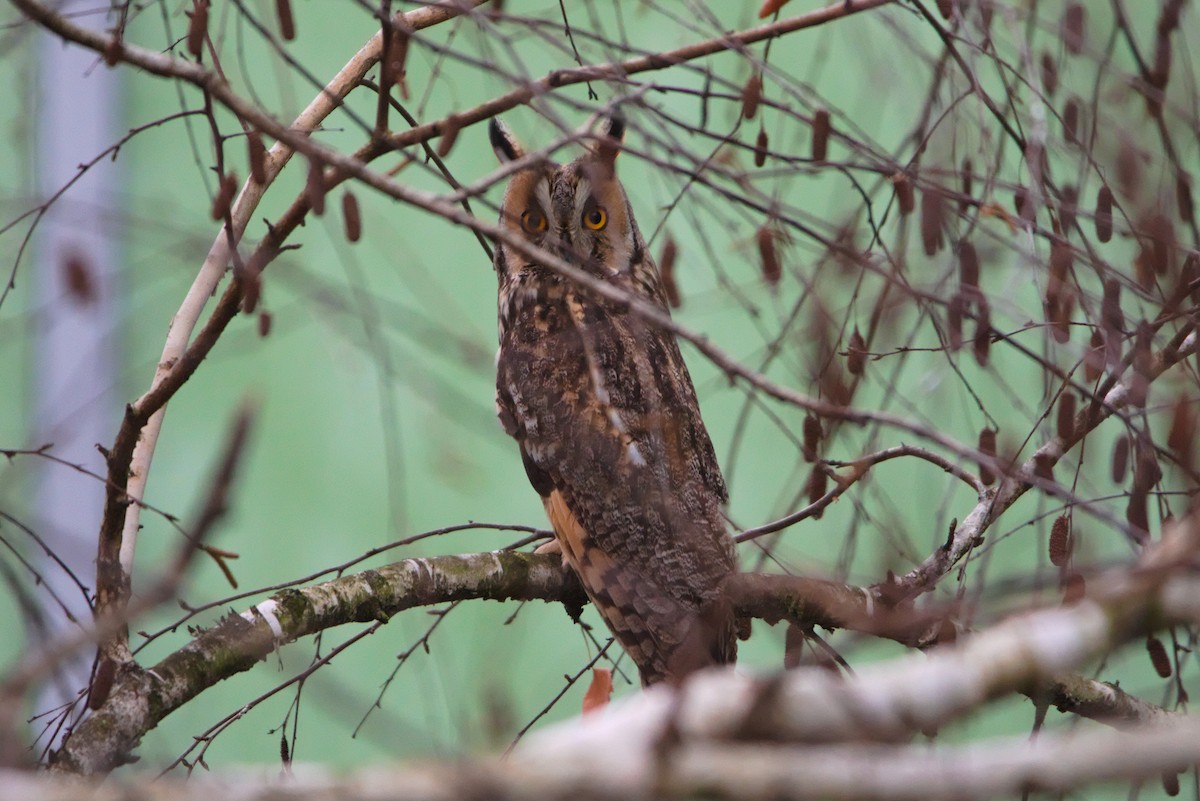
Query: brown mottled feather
pixel 610 432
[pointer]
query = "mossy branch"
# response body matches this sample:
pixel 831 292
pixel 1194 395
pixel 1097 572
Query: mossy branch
pixel 141 697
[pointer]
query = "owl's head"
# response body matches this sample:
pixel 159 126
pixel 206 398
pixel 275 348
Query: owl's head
pixel 577 211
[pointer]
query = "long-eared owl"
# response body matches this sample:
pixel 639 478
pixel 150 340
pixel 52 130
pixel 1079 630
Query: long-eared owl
pixel 605 414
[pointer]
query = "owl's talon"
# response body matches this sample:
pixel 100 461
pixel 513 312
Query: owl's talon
pixel 553 546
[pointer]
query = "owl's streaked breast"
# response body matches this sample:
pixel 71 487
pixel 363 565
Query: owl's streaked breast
pixel 603 410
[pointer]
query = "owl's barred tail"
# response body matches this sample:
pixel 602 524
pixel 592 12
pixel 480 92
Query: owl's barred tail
pixel 711 641
pixel 666 640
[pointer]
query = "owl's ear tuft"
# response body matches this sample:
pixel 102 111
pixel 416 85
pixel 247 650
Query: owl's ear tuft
pixel 612 134
pixel 503 142
pixel 614 127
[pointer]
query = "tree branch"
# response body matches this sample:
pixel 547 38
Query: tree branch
pixel 1015 483
pixel 142 697
pixel 725 735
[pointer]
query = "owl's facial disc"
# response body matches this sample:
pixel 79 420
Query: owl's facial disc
pixel 576 211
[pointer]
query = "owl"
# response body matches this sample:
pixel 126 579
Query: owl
pixel 605 416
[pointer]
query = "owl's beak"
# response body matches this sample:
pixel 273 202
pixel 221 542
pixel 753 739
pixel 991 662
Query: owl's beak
pixel 557 244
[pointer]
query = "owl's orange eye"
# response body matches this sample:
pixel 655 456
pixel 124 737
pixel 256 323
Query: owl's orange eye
pixel 595 219
pixel 533 221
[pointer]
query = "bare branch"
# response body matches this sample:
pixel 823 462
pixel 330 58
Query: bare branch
pixel 142 697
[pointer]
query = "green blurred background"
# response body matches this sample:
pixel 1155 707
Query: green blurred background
pixel 375 384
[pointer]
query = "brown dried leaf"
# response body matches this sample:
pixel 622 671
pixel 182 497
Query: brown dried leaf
pixel 793 646
pixel 771 7
pixel 987 446
pixel 983 331
pixel 1060 317
pixel 833 387
pixel 812 436
pixel 225 192
pixel 1104 213
pixel 752 95
pixel 599 691
pixel 197 27
pixel 1071 120
pixel 1129 168
pixel 760 147
pixel 1146 472
pixel 1066 417
pixel 351 217
pixel 1111 316
pixel 1025 209
pixel 1182 437
pixel 1049 73
pixel 666 272
pixel 1074 589
pixel 250 276
pixel 1143 267
pixel 258 157
pixel 264 323
pixel 1160 242
pixel 1183 196
pixel 1061 542
pixel 904 193
pixel 448 137
pixel 955 310
pixel 1120 459
pixel 1158 657
pixel 1073 28
pixel 820 135
pixel 1062 258
pixel 1160 73
pixel 968 267
pixel 287 23
pixel 856 354
pixel 1067 208
pixel 78 278
pixel 933 214
pixel 315 188
pixel 1043 466
pixel 772 271
pixel 818 484
pixel 1093 358
pixel 393 68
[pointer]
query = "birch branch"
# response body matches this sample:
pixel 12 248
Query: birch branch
pixel 802 734
pixel 1000 767
pixel 142 697
pixel 184 321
